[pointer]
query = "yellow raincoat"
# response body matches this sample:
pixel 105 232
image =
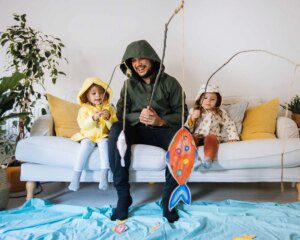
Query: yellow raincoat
pixel 93 130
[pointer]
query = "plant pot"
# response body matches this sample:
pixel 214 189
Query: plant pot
pixel 13 177
pixel 4 189
pixel 296 118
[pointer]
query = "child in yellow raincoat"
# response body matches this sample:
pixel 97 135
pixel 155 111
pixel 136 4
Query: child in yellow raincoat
pixel 95 118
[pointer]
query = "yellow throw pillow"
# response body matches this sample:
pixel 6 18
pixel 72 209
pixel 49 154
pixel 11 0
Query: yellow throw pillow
pixel 260 121
pixel 64 114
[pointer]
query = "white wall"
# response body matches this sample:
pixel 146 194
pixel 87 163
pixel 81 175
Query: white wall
pixel 96 33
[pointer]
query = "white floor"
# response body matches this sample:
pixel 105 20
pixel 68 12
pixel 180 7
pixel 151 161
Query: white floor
pixel 90 195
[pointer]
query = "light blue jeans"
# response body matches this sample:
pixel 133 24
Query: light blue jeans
pixel 86 148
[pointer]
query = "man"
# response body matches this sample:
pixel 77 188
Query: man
pixel 152 125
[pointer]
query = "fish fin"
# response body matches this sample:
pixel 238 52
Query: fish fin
pixel 168 157
pixel 183 193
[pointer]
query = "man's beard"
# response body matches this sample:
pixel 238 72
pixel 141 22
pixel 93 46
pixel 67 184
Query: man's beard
pixel 148 74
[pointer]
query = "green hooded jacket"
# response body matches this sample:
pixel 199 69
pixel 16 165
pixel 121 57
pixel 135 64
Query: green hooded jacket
pixel 167 96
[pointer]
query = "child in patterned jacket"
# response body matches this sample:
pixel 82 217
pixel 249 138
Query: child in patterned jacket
pixel 206 121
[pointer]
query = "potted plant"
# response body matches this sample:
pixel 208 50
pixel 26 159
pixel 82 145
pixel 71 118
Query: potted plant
pixel 294 107
pixel 35 54
pixel 8 94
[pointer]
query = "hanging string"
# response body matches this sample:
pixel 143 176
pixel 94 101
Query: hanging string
pixel 286 115
pixel 124 106
pixel 183 72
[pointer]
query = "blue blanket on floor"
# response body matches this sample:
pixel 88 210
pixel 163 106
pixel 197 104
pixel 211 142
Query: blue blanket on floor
pixel 39 219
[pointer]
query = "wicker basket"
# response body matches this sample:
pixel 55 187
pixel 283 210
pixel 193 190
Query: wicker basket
pixel 4 188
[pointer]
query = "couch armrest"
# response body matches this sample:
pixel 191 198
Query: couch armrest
pixel 286 128
pixel 42 126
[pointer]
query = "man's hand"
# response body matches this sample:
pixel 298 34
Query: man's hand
pixel 105 113
pixel 148 116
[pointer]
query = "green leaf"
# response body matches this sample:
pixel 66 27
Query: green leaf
pixel 4 35
pixel 44 112
pixel 28 73
pixel 29 64
pixel 47 54
pixel 16 17
pixel 7 83
pixel 23 17
pixel 7 101
pixel 3 42
pixel 61 73
pixel 35 67
pixel 14 115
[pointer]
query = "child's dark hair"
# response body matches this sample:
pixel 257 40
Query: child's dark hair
pixel 84 97
pixel 216 109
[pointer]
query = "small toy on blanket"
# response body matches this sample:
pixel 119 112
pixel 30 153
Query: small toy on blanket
pixel 155 227
pixel 120 227
pixel 245 237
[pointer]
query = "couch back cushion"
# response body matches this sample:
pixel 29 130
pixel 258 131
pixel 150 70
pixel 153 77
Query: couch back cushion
pixel 64 114
pixel 260 121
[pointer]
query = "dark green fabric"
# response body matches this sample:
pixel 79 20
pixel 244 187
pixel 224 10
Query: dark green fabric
pixel 167 97
pixel 138 49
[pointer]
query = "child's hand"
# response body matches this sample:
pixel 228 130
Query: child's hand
pixel 195 114
pixel 96 116
pixel 105 113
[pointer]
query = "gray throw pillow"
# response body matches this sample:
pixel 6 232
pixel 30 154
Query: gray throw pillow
pixel 236 112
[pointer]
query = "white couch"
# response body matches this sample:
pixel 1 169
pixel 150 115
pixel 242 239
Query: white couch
pixel 51 158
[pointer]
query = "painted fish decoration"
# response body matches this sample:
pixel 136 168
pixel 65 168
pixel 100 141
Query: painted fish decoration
pixel 122 146
pixel 180 158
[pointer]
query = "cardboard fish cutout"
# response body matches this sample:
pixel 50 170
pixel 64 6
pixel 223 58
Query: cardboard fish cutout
pixel 180 158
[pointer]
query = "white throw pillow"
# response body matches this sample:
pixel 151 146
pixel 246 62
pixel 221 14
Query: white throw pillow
pixel 286 128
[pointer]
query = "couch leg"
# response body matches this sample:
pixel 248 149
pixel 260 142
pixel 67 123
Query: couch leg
pixel 30 186
pixel 298 189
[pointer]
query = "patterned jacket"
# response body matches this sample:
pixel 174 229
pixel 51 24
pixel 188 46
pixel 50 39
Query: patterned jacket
pixel 212 123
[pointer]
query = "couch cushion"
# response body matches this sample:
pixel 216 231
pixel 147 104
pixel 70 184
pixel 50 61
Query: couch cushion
pixel 260 153
pixel 62 152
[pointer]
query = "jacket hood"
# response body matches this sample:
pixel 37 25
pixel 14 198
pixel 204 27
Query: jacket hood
pixel 138 49
pixel 89 82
